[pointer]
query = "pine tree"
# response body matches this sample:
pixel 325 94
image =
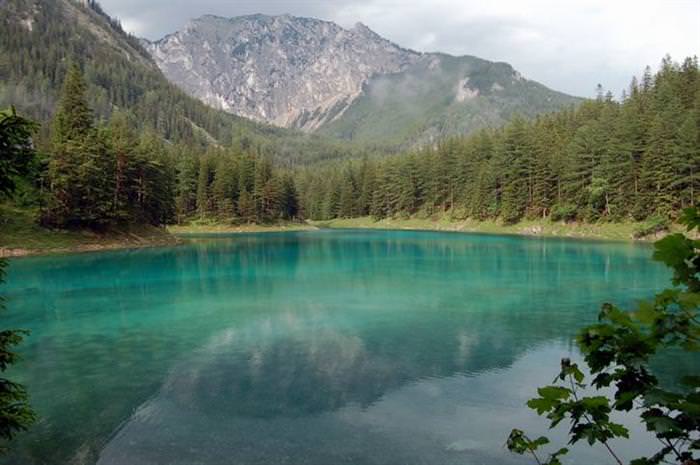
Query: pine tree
pixel 16 148
pixel 73 120
pixel 246 207
pixel 289 205
pixel 225 188
pixel 80 172
pixel 204 179
pixel 367 183
pixel 687 162
pixel 187 169
pixel 347 197
pixel 516 165
pixel 154 182
pixel 122 144
pixel 262 193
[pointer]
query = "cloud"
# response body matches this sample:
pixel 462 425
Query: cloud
pixel 568 46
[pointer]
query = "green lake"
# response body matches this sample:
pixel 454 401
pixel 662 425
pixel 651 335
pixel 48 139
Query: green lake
pixel 319 348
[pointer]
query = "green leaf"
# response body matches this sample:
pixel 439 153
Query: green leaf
pixel 690 218
pixel 619 430
pixel 660 424
pixel 673 250
pixel 554 393
pixel 541 405
pixel 646 313
pixel 691 381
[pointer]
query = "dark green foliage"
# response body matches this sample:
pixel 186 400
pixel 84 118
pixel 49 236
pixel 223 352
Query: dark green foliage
pixel 617 352
pixel 16 150
pixel 73 119
pixel 98 177
pixel 15 413
pixel 15 141
pixel 653 225
pixel 234 187
pixel 603 161
pixel 566 212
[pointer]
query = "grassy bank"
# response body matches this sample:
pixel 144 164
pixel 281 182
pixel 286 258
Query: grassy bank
pixel 207 227
pixel 610 231
pixel 21 235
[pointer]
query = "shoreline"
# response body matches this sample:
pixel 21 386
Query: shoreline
pixel 108 242
pixel 42 242
pixel 619 232
pixel 213 228
pixel 48 242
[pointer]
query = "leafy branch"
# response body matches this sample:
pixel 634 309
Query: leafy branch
pixel 617 351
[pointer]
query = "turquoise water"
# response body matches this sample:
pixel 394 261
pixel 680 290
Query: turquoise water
pixel 321 348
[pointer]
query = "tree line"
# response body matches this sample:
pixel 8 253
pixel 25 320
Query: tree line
pixel 100 175
pixel 605 160
pixel 608 160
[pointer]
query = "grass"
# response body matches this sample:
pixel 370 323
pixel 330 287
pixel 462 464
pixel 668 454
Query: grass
pixel 20 234
pixel 609 231
pixel 213 227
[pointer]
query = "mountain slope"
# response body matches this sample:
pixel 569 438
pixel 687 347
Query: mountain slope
pixel 39 38
pixel 348 83
pixel 442 95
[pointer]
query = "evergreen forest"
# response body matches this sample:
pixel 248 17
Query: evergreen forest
pixel 606 160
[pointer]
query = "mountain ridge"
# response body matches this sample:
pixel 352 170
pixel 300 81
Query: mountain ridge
pixel 276 69
pixel 309 74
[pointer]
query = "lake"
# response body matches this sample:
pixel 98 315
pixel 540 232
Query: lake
pixel 323 347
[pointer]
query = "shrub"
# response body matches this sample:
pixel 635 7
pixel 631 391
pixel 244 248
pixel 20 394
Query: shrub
pixel 653 225
pixel 564 212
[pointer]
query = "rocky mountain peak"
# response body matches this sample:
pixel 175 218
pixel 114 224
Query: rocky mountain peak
pixel 284 70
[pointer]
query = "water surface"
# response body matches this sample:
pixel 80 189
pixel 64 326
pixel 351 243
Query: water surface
pixel 320 348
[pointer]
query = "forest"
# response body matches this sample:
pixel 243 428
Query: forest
pixel 606 160
pixel 96 176
pixel 121 77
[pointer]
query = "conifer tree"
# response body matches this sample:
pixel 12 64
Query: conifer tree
pixel 73 120
pixel 122 144
pixel 204 179
pixel 80 172
pixel 246 207
pixel 348 195
pixel 16 149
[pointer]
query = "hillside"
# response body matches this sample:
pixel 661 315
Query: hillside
pixel 440 96
pixel 39 39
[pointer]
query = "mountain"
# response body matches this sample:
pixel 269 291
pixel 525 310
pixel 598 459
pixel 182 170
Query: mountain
pixel 288 71
pixel 40 38
pixel 348 83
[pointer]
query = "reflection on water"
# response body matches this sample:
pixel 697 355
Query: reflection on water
pixel 322 347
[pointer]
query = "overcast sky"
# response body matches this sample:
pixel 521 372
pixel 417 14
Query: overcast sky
pixel 568 45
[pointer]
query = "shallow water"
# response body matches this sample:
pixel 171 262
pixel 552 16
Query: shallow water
pixel 323 347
